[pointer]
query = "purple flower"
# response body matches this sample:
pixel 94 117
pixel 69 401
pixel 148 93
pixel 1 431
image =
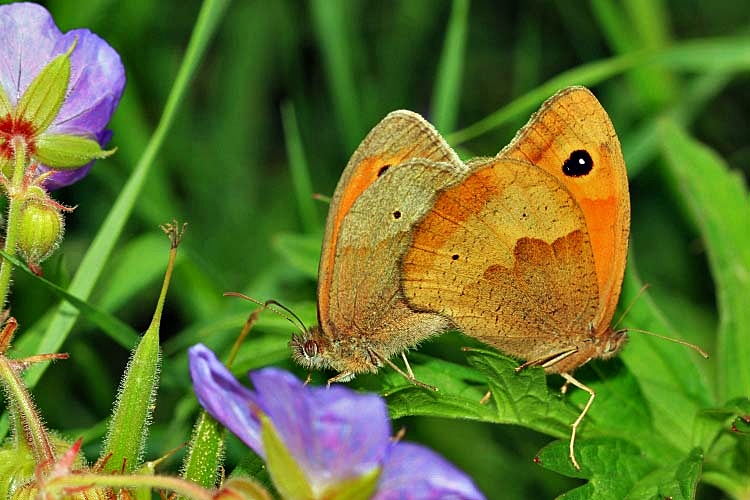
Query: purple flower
pixel 334 436
pixel 30 41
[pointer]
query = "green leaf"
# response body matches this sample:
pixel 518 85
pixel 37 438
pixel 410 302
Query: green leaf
pixel 62 152
pixel 612 466
pixel 615 468
pixel 718 202
pixel 677 480
pixel 672 378
pixel 725 432
pixel 620 410
pixel 523 397
pixel 517 398
pixel 301 251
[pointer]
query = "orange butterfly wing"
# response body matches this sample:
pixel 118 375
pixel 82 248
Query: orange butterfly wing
pixel 572 133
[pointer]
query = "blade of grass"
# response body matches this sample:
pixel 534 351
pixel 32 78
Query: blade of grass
pixel 447 93
pixel 639 25
pixel 715 55
pixel 299 169
pixel 330 18
pixel 642 144
pixel 99 251
pixel 120 332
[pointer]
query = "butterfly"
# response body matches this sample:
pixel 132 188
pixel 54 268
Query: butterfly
pixel 527 253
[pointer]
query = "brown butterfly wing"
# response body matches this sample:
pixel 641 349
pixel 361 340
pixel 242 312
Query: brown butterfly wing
pixel 506 255
pixel 570 129
pixel 358 293
pixel 400 136
pixel 367 305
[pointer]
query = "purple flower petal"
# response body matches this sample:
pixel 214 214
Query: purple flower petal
pixel 224 398
pixel 30 40
pixel 97 79
pixel 27 35
pixel 334 433
pixel 414 472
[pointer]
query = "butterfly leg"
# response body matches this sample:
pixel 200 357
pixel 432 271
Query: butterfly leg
pixel 341 377
pixel 549 360
pixel 564 388
pixel 406 363
pixel 570 379
pixel 486 397
pixel 408 376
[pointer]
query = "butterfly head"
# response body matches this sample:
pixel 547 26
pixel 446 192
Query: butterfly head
pixel 306 350
pixel 611 343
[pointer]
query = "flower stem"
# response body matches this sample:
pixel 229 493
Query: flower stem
pixel 30 430
pixel 15 202
pixel 83 480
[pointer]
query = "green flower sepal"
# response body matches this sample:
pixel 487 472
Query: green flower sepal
pixel 61 151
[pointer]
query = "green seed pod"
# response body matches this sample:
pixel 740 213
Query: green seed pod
pixel 41 229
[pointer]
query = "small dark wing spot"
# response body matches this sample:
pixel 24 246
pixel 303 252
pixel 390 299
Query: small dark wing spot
pixel 579 163
pixel 383 170
pixel 397 214
pixel 454 256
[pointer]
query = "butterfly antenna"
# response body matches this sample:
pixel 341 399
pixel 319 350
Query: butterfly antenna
pixel 630 306
pixel 321 197
pixel 399 435
pixel 676 341
pixel 271 305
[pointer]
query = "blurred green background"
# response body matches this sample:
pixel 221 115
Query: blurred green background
pixel 286 78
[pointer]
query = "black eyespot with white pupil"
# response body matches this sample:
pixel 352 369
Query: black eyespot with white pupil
pixel 578 164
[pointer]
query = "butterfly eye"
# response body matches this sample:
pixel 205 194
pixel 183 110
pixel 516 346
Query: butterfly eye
pixel 310 349
pixel 578 164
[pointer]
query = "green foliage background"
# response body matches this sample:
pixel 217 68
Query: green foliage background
pixel 282 96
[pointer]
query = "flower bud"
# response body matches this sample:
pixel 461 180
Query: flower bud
pixel 41 227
